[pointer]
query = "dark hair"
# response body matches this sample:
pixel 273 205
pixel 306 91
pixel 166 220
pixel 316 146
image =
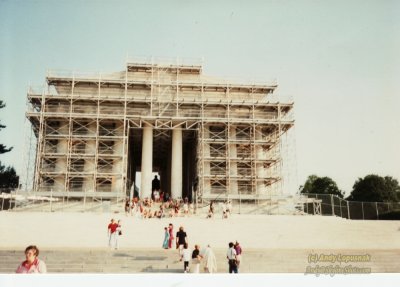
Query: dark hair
pixel 32 247
pixel 230 244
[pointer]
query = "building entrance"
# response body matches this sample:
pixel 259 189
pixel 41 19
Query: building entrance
pixel 169 152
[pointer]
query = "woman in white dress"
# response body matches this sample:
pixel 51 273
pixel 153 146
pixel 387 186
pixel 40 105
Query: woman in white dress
pixel 210 260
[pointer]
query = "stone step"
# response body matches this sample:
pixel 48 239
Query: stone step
pixel 153 261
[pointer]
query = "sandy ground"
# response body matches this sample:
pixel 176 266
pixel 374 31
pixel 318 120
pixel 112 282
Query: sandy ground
pixel 89 230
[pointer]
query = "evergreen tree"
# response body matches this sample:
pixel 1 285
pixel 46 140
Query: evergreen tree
pixel 3 148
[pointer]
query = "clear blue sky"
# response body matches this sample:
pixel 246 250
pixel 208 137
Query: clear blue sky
pixel 338 59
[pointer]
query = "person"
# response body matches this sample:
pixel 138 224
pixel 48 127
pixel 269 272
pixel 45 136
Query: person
pixel 156 196
pixel 224 213
pixel 171 235
pixel 238 250
pixel 181 239
pixel 166 238
pixel 140 210
pixel 32 263
pixel 119 228
pixel 231 256
pixel 135 208
pixel 228 208
pixel 161 212
pixel 196 258
pixel 127 207
pixel 210 260
pixel 176 209
pixel 211 210
pixel 112 234
pixel 185 257
pixel 186 208
pixel 166 197
pixel 155 186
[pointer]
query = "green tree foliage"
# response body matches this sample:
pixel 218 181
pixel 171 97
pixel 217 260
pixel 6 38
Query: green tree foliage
pixel 8 178
pixel 375 188
pixel 3 148
pixel 321 185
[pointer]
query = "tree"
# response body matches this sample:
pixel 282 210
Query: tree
pixel 8 178
pixel 375 188
pixel 320 185
pixel 3 148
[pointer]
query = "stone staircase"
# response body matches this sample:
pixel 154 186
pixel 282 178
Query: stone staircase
pixel 139 261
pixel 72 206
pixel 277 205
pixel 166 261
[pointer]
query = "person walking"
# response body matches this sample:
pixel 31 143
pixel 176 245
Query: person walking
pixel 181 239
pixel 196 259
pixel 32 263
pixel 171 235
pixel 231 256
pixel 210 260
pixel 211 210
pixel 185 257
pixel 112 234
pixel 166 238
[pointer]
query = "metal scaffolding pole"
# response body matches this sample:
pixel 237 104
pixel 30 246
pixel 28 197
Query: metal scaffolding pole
pixel 84 126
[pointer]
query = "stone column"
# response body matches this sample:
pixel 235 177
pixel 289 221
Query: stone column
pixel 260 155
pixel 233 164
pixel 147 162
pixel 176 164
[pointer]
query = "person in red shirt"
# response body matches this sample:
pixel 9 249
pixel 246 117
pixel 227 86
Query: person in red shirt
pixel 112 234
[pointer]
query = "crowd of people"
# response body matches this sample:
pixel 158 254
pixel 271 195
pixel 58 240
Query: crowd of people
pixel 161 205
pixel 148 208
pixel 226 209
pixel 192 259
pixel 158 206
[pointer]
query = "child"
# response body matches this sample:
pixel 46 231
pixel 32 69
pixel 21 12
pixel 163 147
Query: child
pixel 186 256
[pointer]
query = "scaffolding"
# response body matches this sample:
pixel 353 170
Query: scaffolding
pixel 86 124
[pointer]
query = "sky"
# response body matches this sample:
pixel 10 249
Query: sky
pixel 338 60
